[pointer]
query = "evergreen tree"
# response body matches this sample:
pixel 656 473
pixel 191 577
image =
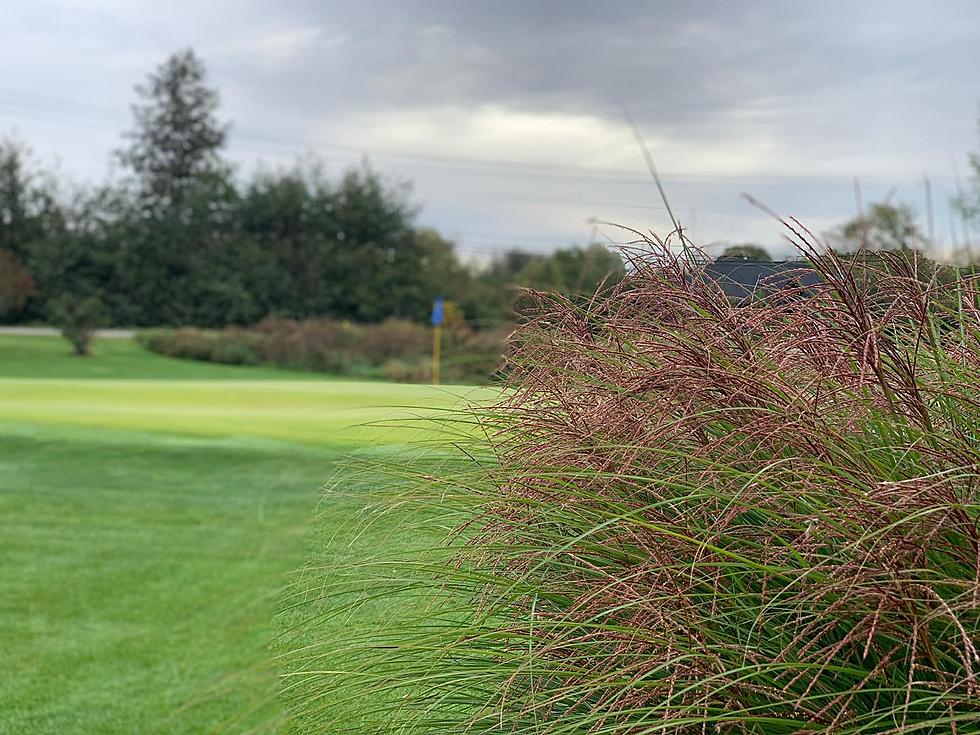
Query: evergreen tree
pixel 177 137
pixel 78 259
pixel 30 217
pixel 348 250
pixel 183 257
pixel 25 201
pixel 376 253
pixel 289 214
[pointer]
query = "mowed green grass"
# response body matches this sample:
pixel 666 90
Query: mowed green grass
pixel 152 510
pixel 46 357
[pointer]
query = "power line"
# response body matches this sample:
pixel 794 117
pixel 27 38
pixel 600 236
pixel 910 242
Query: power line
pixel 489 196
pixel 537 169
pixel 512 167
pixel 39 107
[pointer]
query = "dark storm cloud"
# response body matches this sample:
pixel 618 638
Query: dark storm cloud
pixel 675 63
pixel 799 95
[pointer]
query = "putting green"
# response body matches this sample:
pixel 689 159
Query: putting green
pixel 330 413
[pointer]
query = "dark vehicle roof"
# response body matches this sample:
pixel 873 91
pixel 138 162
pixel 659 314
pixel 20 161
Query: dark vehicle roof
pixel 741 279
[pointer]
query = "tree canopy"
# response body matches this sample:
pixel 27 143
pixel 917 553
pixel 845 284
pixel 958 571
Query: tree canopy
pixel 177 138
pixel 184 239
pixel 885 227
pixel 746 251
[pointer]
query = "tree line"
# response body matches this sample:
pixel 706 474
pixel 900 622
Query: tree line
pixel 181 239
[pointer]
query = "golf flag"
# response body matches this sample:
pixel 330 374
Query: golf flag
pixel 437 312
pixel 437 316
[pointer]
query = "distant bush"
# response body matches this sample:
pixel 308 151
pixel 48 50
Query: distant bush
pixel 77 317
pixel 692 517
pixel 396 338
pixel 187 342
pixel 395 349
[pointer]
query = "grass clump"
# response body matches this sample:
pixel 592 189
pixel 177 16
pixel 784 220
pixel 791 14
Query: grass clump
pixel 690 516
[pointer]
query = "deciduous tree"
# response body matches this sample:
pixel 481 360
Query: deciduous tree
pixel 884 227
pixel 746 251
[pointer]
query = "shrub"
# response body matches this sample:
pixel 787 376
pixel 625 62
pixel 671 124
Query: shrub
pixel 700 517
pixel 77 317
pixel 314 344
pixel 186 342
pixel 474 353
pixel 394 338
pixel 401 371
pixel 238 347
pixel 396 349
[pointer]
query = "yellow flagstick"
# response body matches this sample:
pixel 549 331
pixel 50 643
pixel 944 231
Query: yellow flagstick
pixel 436 349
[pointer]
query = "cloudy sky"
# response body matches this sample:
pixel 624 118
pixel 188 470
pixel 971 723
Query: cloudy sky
pixel 508 116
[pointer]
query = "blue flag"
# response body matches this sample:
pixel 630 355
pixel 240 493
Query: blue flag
pixel 437 312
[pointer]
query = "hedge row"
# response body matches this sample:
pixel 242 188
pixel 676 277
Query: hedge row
pixel 395 349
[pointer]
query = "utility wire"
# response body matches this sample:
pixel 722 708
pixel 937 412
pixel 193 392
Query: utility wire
pixel 38 107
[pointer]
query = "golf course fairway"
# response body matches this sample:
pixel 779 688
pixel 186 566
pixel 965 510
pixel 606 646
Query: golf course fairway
pixel 150 525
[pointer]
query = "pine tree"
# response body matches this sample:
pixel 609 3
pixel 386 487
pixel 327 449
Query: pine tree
pixel 177 138
pixel 29 205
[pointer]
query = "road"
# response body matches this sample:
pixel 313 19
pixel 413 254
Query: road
pixel 52 332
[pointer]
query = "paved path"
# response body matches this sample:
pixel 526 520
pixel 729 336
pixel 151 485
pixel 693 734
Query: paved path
pixel 52 332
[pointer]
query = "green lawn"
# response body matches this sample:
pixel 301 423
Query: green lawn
pixel 152 509
pixel 50 357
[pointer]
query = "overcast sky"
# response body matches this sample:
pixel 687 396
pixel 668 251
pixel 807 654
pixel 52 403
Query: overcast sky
pixel 508 117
